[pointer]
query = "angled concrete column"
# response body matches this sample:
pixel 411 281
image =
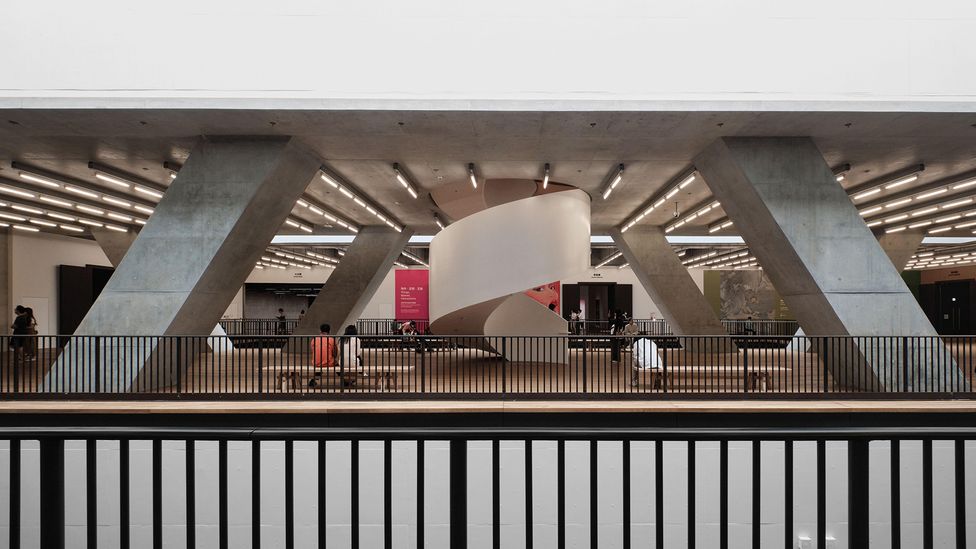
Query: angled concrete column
pixel 825 262
pixel 114 243
pixel 352 284
pixel 190 259
pixel 667 281
pixel 900 246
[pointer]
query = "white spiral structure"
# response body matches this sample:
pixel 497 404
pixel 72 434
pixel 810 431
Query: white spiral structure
pixel 481 266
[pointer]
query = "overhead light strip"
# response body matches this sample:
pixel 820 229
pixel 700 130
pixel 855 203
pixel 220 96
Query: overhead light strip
pixel 358 198
pixel 672 188
pixel 402 178
pixel 616 177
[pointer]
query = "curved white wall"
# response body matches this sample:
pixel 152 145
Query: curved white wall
pixel 481 266
pixel 256 53
pixel 509 249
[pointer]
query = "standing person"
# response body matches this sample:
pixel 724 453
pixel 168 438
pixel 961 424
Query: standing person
pixel 301 315
pixel 281 327
pixel 616 327
pixel 30 349
pixel 21 331
pixel 323 348
pixel 574 318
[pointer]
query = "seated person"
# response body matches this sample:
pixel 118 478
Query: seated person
pixel 644 358
pixel 323 350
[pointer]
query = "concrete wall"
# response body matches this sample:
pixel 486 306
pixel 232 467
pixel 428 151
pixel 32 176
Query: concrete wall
pixel 760 52
pixel 479 494
pixel 34 272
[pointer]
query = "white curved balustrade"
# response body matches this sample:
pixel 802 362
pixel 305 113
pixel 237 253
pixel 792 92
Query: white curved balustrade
pixel 481 266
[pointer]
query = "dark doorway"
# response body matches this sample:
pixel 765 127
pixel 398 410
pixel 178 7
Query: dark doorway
pixel 948 305
pixel 597 299
pixel 78 288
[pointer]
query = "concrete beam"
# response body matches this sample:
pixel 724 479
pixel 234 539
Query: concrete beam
pixel 352 284
pixel 900 246
pixel 824 261
pixel 196 251
pixel 114 243
pixel 667 281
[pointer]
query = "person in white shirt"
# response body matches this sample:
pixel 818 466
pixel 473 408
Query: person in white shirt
pixel 644 358
pixel 352 358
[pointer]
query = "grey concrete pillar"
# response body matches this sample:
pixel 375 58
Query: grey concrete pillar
pixel 825 262
pixel 114 243
pixel 667 281
pixel 352 284
pixel 900 246
pixel 193 255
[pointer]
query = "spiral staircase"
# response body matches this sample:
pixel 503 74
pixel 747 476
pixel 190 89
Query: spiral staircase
pixel 523 236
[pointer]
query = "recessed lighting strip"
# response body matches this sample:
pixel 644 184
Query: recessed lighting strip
pixel 118 178
pixel 69 189
pixel 404 180
pixel 614 179
pixel 608 260
pixel 64 208
pixel 694 213
pixel 657 201
pixel 359 198
pixel 414 257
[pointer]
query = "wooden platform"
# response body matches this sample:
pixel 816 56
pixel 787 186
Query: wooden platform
pixel 444 407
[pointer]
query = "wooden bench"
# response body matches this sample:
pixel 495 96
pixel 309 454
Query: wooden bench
pixel 386 375
pixel 297 377
pixel 662 378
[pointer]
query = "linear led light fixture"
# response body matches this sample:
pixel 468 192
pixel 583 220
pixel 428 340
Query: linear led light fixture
pixel 614 180
pixel 438 222
pixel 608 260
pixel 173 167
pixel 904 177
pixel 402 178
pixel 36 176
pixel 350 192
pixel 545 177
pixel 474 180
pixel 686 178
pixel 840 172
pixel 694 213
pixel 126 181
pixel 414 257
pixel 316 208
pixel 60 214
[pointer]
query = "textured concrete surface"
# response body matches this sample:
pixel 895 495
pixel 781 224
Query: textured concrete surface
pixel 900 246
pixel 6 279
pixel 349 288
pixel 114 243
pixel 821 256
pixel 197 249
pixel 667 281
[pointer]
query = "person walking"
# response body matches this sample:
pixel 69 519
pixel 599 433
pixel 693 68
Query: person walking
pixel 30 348
pixel 20 332
pixel 281 327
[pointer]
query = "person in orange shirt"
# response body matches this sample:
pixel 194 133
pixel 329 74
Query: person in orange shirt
pixel 323 350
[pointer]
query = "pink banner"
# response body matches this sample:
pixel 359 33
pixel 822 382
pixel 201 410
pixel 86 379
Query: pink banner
pixel 547 295
pixel 411 294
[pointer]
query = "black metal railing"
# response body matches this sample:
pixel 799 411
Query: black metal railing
pixel 392 326
pixel 601 487
pixel 594 367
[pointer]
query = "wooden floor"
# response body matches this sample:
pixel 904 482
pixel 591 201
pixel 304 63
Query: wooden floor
pixel 590 372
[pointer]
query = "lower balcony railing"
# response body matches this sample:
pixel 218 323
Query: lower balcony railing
pixel 596 367
pixel 543 487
